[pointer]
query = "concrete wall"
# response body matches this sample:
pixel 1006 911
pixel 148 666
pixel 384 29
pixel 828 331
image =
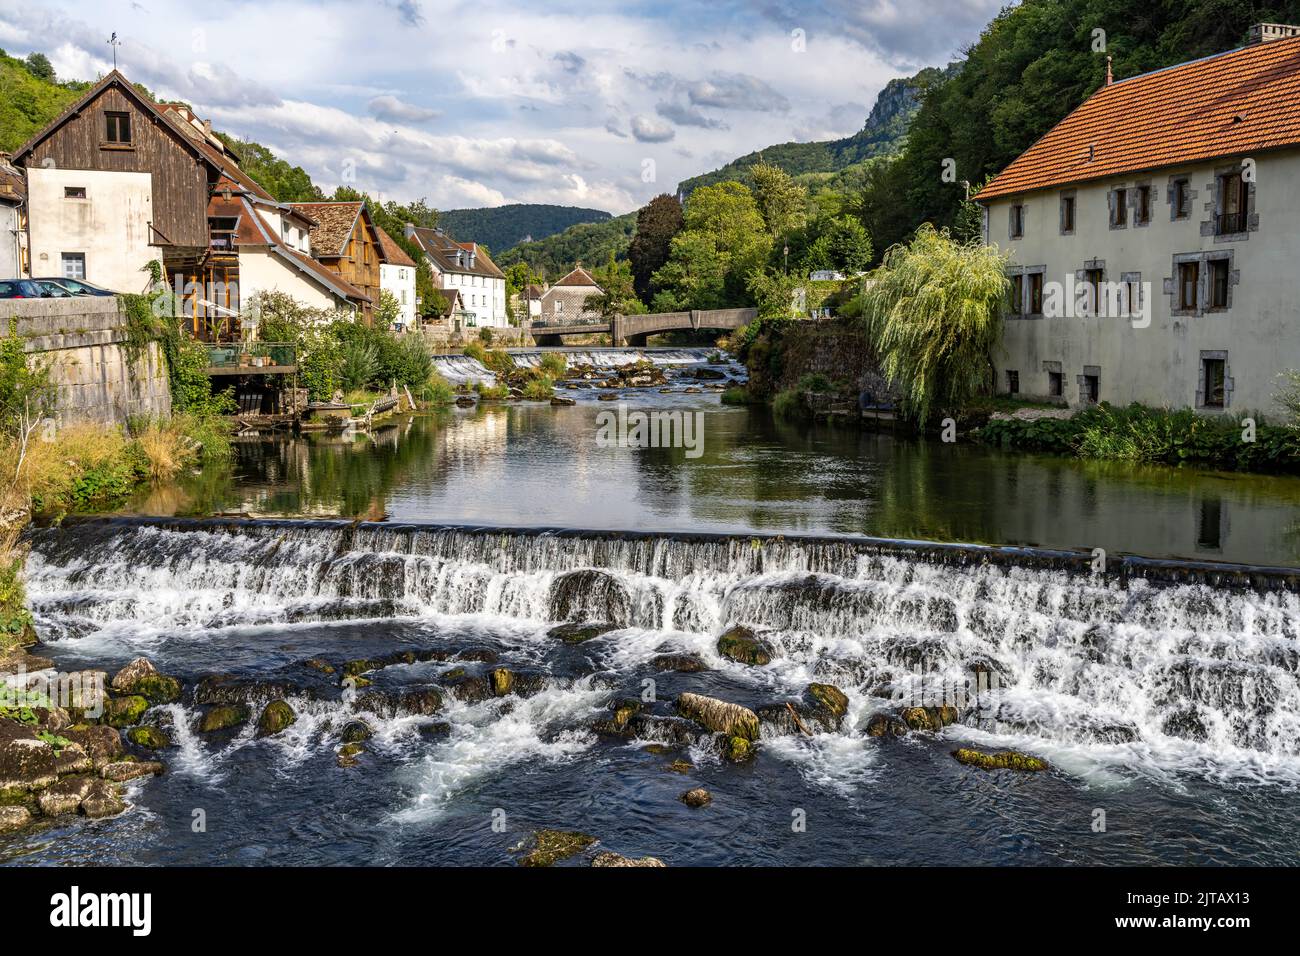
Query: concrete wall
pixel 110 226
pixel 81 342
pixel 1160 364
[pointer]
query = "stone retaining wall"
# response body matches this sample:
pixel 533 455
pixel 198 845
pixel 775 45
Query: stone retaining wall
pixel 82 342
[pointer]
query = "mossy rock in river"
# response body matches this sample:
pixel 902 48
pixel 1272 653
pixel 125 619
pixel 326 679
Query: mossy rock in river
pixel 930 718
pixel 158 688
pixel 355 731
pixel 737 749
pixel 503 679
pixel 223 717
pixel 348 754
pixel 151 738
pixel 576 633
pixel 831 698
pixel 124 711
pixel 551 846
pixel 1005 760
pixel 743 646
pixel 275 717
pixel 719 715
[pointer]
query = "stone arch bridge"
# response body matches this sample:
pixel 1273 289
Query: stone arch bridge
pixel 634 330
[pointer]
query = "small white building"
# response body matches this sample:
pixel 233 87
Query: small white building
pixel 466 269
pixel 1154 236
pixel 13 221
pixel 397 277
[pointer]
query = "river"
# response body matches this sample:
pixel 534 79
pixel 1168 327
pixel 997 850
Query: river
pixel 1170 713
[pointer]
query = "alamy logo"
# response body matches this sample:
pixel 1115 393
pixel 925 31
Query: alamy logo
pixel 74 909
pixel 660 429
pixel 1075 298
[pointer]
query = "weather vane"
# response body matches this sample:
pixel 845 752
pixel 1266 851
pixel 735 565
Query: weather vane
pixel 114 42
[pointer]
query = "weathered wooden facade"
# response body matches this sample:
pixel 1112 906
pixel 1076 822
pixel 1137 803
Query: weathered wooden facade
pixel 115 128
pixel 346 241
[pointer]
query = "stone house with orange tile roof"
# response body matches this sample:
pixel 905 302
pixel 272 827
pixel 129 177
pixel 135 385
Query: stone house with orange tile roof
pixel 1153 237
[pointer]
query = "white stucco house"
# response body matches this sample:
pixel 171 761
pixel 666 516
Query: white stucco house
pixel 397 277
pixel 1154 238
pixel 466 269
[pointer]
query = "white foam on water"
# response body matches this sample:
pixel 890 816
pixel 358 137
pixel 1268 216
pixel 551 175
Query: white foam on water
pixel 484 741
pixel 1158 681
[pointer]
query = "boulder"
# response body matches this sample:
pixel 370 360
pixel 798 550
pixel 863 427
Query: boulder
pixel 26 762
pixel 423 702
pixel 228 690
pixel 681 663
pixel 319 665
pixel 590 595
pixel 574 633
pixel 929 718
pixel 742 645
pixel 102 800
pixel 223 717
pixel 681 766
pixel 696 798
pixel 125 770
pixel 349 753
pixel 355 731
pixel 1005 760
pixel 562 400
pixel 14 818
pixel 66 795
pixel 547 847
pixel 158 689
pixel 124 711
pixel 125 680
pixel 614 859
pixel 736 749
pixel 151 738
pixel 830 699
pixel 70 757
pixel 719 715
pixel 275 717
pixel 623 710
pixel 503 679
pixel 102 743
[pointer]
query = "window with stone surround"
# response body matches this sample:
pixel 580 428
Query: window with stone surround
pixel 1142 207
pixel 1180 198
pixel 1013 382
pixel 1118 208
pixel 1017 225
pixel 1214 383
pixel 1067 212
pixel 1189 281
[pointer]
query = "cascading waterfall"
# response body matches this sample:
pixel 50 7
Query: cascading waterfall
pixel 459 369
pixel 1112 669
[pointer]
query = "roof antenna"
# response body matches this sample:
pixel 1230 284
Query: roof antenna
pixel 1110 77
pixel 114 42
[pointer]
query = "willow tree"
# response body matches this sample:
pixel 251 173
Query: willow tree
pixel 933 312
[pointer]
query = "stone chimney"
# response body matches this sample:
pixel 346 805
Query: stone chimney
pixel 473 254
pixel 1263 32
pixel 409 230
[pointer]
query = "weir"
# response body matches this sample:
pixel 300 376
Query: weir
pixel 1137 656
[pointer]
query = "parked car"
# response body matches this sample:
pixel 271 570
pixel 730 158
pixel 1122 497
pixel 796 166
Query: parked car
pixel 57 290
pixel 22 289
pixel 76 286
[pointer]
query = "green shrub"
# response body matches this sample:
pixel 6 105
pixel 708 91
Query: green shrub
pixel 485 336
pixel 789 404
pixel 540 389
pixel 476 351
pixel 359 365
pixel 815 382
pixel 496 392
pixel 554 364
pixel 436 391
pixel 736 395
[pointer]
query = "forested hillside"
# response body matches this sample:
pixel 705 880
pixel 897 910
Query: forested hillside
pixel 30 96
pixel 884 133
pixel 590 243
pixel 500 227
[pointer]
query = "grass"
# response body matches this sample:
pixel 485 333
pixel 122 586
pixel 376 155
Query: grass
pixel 541 389
pixel 736 395
pixel 789 404
pixel 554 365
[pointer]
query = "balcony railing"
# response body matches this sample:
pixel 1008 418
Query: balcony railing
pixel 1229 223
pixel 251 357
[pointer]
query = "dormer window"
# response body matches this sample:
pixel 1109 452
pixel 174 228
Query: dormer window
pixel 117 128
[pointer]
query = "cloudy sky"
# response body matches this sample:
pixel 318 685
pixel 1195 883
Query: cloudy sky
pixel 495 101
